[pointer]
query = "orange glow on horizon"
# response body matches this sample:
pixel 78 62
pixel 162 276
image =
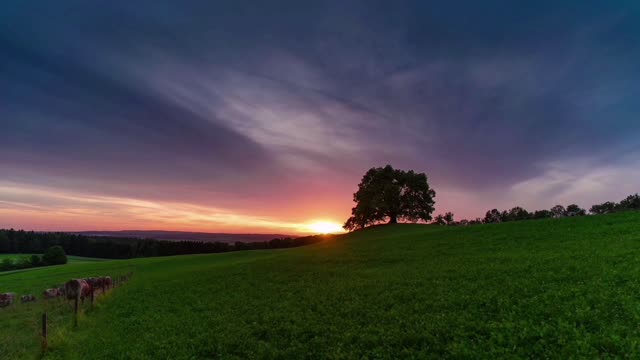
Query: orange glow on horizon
pixel 46 209
pixel 325 227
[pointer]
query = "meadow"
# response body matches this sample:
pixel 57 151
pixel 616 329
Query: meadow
pixel 72 259
pixel 535 289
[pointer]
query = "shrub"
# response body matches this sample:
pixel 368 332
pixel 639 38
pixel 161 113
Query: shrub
pixel 35 260
pixel 54 255
pixel 6 264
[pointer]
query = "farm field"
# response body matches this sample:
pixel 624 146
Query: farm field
pixel 536 289
pixel 72 259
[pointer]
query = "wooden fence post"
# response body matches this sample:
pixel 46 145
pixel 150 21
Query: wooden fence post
pixel 75 311
pixel 44 332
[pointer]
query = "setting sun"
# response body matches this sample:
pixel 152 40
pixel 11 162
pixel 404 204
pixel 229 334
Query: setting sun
pixel 325 227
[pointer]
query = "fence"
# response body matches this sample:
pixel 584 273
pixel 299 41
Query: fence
pixel 45 318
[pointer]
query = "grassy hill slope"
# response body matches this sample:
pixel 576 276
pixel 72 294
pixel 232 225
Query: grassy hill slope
pixel 551 288
pixel 70 258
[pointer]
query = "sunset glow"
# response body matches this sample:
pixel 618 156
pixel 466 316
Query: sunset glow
pixel 51 209
pixel 325 227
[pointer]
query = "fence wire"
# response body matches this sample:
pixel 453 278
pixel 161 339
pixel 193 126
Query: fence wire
pixel 21 324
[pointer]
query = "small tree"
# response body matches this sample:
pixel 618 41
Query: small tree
pixel 493 217
pixel 575 210
pixel 387 194
pixel 439 220
pixel 448 218
pixel 558 211
pixel 632 202
pixel 517 214
pixel 604 208
pixel 54 255
pixel 6 264
pixel 35 260
pixel 542 214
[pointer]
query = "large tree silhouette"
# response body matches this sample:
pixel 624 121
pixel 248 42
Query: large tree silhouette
pixel 387 194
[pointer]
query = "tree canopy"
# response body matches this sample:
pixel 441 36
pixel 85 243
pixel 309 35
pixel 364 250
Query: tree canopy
pixel 54 255
pixel 390 195
pixel 575 210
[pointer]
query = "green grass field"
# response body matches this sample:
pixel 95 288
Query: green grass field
pixel 537 289
pixel 72 259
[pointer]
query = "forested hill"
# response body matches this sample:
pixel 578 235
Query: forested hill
pixel 185 236
pixel 29 242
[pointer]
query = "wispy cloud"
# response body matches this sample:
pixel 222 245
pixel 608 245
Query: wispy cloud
pixel 586 181
pixel 211 121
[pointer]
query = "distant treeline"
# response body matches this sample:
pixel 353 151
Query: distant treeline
pixel 630 203
pixel 29 242
pixel 53 256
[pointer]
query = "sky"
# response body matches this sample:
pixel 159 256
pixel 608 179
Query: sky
pixel 262 116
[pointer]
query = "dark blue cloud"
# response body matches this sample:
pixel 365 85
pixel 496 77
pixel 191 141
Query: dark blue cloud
pixel 240 94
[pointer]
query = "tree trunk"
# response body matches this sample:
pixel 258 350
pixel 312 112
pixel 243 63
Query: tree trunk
pixel 393 219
